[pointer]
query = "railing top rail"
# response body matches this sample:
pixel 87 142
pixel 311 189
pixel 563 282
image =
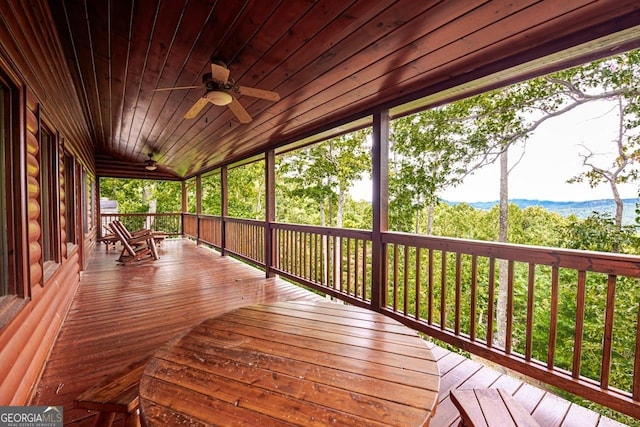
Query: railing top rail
pixel 209 216
pixel 601 262
pixel 103 214
pixel 329 231
pixel 256 222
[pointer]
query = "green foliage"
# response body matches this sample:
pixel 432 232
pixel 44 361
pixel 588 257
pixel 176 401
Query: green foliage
pixel 211 194
pixel 129 193
pixel 599 232
pixel 190 188
pixel 247 191
pixel 137 195
pixel 168 196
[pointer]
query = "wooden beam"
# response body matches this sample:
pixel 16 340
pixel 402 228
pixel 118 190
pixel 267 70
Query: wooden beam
pixel 224 209
pixel 270 208
pixel 380 201
pixel 198 206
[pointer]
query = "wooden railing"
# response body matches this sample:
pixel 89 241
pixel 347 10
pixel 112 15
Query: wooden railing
pixel 170 223
pixel 335 261
pixel 210 230
pixel 245 239
pixel 570 318
pixel 190 225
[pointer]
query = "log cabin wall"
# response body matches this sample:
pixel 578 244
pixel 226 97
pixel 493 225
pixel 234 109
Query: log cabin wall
pixel 48 258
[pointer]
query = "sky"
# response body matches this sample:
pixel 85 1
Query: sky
pixel 552 156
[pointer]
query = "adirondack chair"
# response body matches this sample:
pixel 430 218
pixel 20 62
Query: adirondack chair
pixel 158 236
pixel 134 248
pixel 109 239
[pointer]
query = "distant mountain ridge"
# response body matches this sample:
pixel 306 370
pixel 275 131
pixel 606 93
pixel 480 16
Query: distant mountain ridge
pixel 580 209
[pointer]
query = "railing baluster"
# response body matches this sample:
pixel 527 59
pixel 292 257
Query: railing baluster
pixel 289 249
pixel 364 270
pixel 295 259
pixel 530 299
pixel 319 266
pixel 314 257
pixel 348 291
pixel 491 301
pixel 608 332
pixel 341 272
pixel 405 285
pixel 356 270
pixel 418 270
pixel 307 255
pixel 577 340
pixel 331 268
pixel 474 297
pixel 430 288
pixel 553 321
pixel 458 292
pixel 443 291
pixel 509 328
pixel 395 277
pixel 302 253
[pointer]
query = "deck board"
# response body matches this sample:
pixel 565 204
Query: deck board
pixel 121 314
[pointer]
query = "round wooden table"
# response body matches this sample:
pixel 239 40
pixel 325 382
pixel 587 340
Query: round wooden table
pixel 292 363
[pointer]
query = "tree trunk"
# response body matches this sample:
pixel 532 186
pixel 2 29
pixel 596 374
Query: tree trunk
pixel 337 242
pixel 147 193
pixel 501 310
pixel 432 207
pixel 618 217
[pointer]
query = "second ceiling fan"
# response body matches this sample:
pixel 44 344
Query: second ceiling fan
pixel 219 88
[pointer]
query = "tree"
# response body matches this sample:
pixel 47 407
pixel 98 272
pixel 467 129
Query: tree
pixel 616 79
pixel 430 151
pixel 323 173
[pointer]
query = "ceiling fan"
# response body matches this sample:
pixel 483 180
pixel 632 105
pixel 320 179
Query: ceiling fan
pixel 219 91
pixel 150 164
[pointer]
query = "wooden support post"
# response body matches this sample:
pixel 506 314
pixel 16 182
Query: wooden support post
pixel 198 206
pixel 270 210
pixel 380 204
pixel 184 204
pixel 224 208
pixel 98 211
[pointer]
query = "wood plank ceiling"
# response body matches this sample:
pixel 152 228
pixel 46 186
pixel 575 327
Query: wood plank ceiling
pixel 330 61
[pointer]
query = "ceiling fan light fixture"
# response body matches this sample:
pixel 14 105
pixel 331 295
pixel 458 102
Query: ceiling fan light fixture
pixel 150 167
pixel 218 97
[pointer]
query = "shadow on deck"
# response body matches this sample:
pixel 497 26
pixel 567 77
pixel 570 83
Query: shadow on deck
pixel 121 314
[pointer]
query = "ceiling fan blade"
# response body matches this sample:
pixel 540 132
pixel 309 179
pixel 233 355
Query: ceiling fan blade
pixel 175 88
pixel 238 110
pixel 195 109
pixel 259 93
pixel 220 73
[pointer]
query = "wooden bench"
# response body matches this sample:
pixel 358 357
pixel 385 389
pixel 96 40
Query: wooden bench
pixel 116 394
pixel 490 407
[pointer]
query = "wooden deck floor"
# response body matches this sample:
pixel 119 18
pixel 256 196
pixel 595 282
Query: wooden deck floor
pixel 121 314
